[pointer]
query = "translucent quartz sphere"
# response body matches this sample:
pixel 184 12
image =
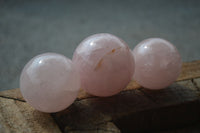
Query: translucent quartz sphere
pixel 105 64
pixel 157 63
pixel 49 82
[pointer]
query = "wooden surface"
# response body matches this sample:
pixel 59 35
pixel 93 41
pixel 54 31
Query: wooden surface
pixel 19 117
pixel 135 109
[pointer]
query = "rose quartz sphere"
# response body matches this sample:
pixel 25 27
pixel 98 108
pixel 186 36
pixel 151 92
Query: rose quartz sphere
pixel 157 63
pixel 49 82
pixel 105 64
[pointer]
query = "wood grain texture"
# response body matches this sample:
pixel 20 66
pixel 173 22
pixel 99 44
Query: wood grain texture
pixel 12 94
pixel 197 83
pixel 107 127
pixel 190 70
pixel 19 117
pixel 134 109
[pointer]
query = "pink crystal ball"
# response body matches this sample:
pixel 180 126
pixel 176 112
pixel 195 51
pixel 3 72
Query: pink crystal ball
pixel 105 64
pixel 49 82
pixel 157 63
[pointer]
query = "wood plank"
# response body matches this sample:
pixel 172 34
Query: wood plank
pixel 13 94
pixel 135 110
pixel 190 70
pixel 107 127
pixel 19 117
pixel 176 93
pixel 90 113
pixel 197 83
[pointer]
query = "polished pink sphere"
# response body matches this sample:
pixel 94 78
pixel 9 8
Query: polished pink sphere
pixel 157 63
pixel 105 64
pixel 50 82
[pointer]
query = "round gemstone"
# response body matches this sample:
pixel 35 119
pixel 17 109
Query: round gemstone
pixel 105 64
pixel 157 63
pixel 49 82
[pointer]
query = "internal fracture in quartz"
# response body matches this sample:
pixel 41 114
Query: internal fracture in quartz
pixel 49 82
pixel 157 63
pixel 105 64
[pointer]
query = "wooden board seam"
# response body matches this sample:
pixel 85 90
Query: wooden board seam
pixel 12 98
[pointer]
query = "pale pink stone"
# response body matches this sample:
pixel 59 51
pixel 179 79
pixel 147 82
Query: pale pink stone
pixel 157 63
pixel 105 64
pixel 49 82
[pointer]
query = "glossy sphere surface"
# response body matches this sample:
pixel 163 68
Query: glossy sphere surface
pixel 105 64
pixel 49 82
pixel 157 63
